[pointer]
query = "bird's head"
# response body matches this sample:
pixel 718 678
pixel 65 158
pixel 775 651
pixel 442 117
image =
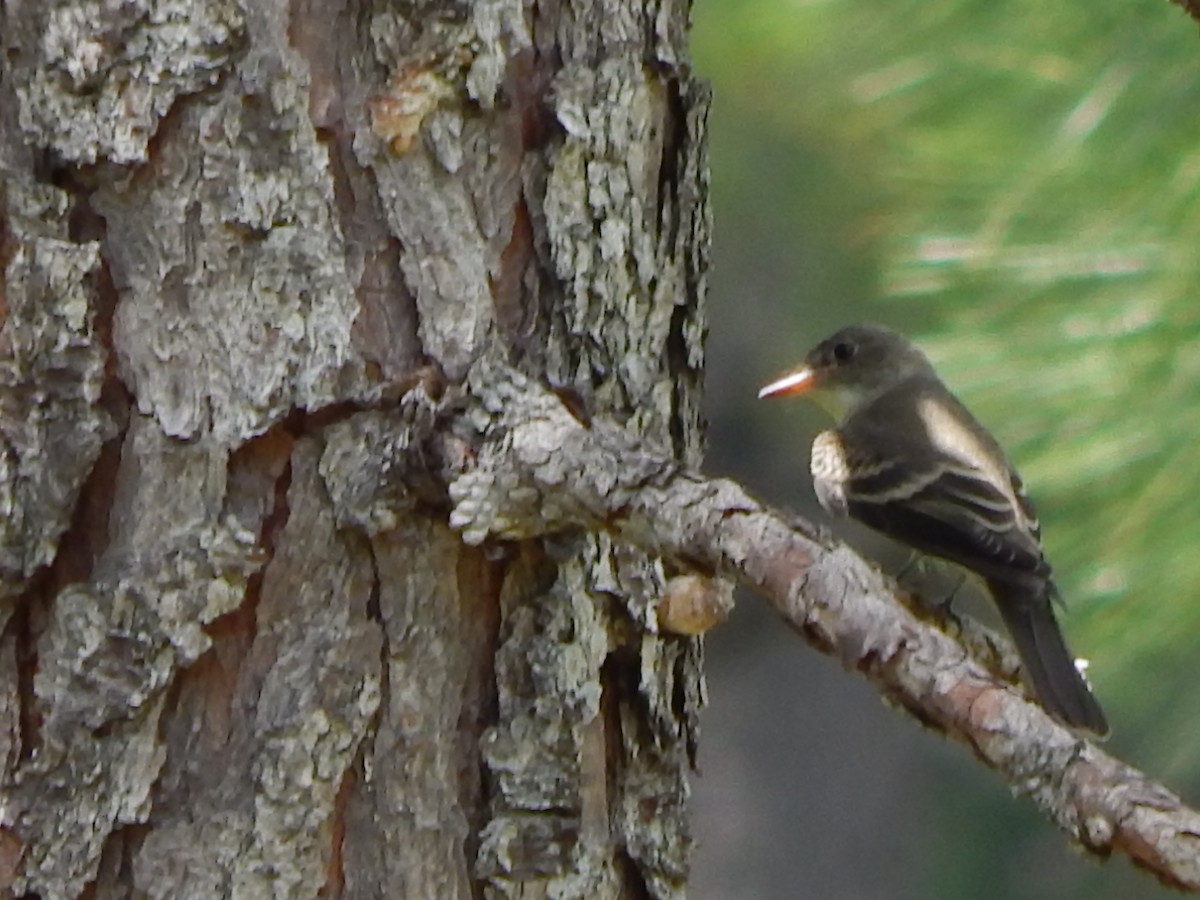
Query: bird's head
pixel 851 368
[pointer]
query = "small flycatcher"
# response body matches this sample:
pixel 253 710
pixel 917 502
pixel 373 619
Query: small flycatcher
pixel 910 461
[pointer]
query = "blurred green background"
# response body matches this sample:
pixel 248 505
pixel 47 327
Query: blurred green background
pixel 1015 186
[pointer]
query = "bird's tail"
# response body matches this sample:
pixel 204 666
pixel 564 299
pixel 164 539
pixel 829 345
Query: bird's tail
pixel 1048 663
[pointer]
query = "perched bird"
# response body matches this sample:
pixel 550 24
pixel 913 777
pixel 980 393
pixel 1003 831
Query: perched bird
pixel 910 461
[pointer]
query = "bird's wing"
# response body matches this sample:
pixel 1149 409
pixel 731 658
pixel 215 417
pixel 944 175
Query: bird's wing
pixel 932 500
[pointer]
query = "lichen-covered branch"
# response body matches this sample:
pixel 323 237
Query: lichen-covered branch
pixel 543 469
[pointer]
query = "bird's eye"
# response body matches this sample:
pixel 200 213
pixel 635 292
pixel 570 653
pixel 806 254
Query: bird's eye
pixel 843 351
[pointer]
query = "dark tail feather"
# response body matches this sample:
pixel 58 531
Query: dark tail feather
pixel 1048 663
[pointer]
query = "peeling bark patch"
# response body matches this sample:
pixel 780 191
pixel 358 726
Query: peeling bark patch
pixel 442 257
pixel 213 680
pixel 615 228
pixel 414 91
pixel 52 425
pixel 385 327
pixel 258 479
pixel 450 199
pixel 111 648
pixel 307 692
pixel 407 826
pixel 260 476
pixel 551 642
pixel 236 303
pixel 94 78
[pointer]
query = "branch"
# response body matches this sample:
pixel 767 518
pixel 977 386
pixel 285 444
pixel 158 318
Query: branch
pixel 542 469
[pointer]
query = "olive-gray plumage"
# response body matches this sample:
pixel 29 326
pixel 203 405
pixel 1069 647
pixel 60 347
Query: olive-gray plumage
pixel 910 461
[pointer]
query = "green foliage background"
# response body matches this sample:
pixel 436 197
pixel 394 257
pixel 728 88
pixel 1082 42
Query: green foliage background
pixel 1015 185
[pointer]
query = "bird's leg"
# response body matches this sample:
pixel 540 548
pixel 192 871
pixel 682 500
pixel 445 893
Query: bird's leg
pixel 913 559
pixel 945 605
pixel 944 609
pixel 919 565
pixel 939 606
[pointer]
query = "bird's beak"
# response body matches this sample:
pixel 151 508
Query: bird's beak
pixel 797 381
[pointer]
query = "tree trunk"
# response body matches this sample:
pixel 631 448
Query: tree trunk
pixel 250 254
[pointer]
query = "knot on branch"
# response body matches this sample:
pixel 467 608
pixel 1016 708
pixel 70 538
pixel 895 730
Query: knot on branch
pixel 541 469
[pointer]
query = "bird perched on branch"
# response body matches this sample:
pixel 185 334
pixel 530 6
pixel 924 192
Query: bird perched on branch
pixel 910 461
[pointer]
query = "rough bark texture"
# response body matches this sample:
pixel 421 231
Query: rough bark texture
pixel 245 248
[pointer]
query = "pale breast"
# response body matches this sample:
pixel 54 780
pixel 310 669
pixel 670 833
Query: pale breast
pixel 830 472
pixel 828 461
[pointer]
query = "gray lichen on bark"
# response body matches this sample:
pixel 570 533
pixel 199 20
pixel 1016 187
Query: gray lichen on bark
pixel 267 665
pixel 236 307
pixel 111 650
pixel 284 720
pixel 625 271
pixel 94 79
pixel 52 425
pixel 315 671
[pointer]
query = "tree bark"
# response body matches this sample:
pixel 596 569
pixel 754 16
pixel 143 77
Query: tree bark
pixel 250 253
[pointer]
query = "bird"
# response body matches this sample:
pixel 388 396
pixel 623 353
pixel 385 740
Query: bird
pixel 907 459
